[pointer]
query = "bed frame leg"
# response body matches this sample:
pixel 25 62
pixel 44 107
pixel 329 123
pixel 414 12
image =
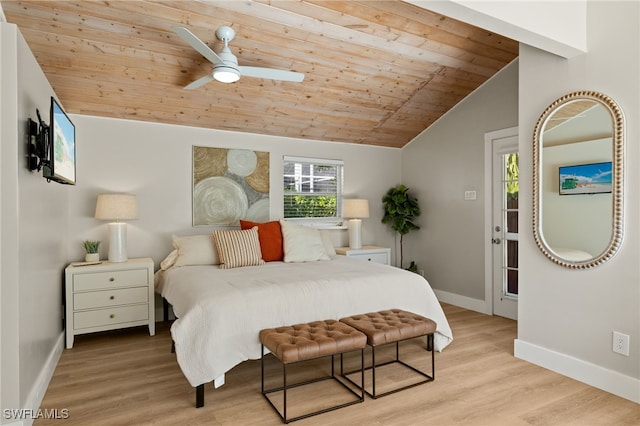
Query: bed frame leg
pixel 165 309
pixel 430 342
pixel 200 396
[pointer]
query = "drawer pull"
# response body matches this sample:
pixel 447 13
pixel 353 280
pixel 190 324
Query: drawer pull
pixel 112 279
pixel 111 297
pixel 112 316
pixel 369 259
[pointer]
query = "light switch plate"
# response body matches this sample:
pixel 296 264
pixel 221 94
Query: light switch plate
pixel 469 195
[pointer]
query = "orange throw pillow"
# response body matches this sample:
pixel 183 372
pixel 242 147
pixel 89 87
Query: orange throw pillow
pixel 270 236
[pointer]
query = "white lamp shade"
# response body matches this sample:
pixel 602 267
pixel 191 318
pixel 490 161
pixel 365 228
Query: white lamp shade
pixel 116 207
pixel 355 208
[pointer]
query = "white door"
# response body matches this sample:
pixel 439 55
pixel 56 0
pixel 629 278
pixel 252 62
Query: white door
pixel 504 232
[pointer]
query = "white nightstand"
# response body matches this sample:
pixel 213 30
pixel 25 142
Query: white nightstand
pixel 370 253
pixel 107 296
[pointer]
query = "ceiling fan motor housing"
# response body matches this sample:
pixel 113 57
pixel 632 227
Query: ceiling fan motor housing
pixel 228 72
pixel 228 58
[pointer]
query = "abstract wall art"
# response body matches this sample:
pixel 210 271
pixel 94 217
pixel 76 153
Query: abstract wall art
pixel 229 185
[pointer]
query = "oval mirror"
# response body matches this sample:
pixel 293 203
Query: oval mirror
pixel 578 149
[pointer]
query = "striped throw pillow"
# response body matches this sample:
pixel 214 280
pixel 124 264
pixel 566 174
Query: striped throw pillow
pixel 238 247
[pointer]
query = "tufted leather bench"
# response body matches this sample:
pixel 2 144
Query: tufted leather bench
pixel 308 341
pixel 393 326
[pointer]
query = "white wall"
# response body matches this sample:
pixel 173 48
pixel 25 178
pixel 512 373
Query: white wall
pixel 581 222
pixel 154 161
pixel 566 317
pixel 34 235
pixel 441 164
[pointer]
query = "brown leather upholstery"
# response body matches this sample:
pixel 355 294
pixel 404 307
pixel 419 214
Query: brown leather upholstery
pixel 390 326
pixel 315 339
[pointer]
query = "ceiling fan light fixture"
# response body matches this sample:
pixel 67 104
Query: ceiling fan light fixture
pixel 226 74
pixel 225 63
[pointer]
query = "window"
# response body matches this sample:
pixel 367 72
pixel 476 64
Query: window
pixel 312 188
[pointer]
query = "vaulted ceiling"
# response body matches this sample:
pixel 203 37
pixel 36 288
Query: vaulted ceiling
pixel 376 72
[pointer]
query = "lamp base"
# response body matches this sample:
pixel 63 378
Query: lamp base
pixel 117 242
pixel 355 233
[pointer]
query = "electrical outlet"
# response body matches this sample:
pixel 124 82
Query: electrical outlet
pixel 621 343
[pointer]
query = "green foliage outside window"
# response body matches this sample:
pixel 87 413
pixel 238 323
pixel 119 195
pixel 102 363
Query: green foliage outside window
pixel 513 173
pixel 309 206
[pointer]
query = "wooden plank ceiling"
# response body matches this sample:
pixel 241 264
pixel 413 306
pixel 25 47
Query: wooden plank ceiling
pixel 376 72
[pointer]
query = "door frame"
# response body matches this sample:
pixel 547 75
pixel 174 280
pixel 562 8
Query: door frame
pixel 489 138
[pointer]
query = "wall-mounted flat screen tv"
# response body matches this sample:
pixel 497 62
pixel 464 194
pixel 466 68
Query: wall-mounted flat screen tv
pixel 594 178
pixel 61 166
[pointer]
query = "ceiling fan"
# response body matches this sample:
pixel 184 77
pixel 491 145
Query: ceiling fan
pixel 225 63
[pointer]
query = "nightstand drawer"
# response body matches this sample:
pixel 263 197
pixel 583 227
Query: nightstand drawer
pixel 106 298
pixel 100 280
pixel 372 257
pixel 110 316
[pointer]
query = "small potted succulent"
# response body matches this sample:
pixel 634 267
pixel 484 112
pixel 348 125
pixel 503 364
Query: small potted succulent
pixel 91 247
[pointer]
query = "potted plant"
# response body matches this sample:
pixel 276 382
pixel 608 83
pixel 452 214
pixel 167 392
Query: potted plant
pixel 400 210
pixel 91 247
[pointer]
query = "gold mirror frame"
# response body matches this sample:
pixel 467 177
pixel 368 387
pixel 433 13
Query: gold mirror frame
pixel 617 180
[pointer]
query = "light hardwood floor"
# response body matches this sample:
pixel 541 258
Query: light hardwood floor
pixel 126 377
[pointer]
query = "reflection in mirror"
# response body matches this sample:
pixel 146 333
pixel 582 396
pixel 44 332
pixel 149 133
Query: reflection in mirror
pixel 578 175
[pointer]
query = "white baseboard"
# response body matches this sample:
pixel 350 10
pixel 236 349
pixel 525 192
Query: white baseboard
pixel 462 301
pixel 36 395
pixel 602 378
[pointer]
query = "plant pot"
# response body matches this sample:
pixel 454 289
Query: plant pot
pixel 92 257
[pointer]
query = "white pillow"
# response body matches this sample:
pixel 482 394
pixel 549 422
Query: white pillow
pixel 302 243
pixel 328 245
pixel 195 250
pixel 238 247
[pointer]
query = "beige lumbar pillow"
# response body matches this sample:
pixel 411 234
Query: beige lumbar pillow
pixel 195 250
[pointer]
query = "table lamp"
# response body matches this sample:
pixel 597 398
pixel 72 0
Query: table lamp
pixel 355 209
pixel 117 207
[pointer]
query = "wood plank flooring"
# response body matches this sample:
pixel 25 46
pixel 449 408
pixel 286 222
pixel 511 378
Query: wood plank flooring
pixel 129 378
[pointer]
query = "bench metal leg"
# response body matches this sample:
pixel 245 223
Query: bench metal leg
pixel 286 386
pixel 374 394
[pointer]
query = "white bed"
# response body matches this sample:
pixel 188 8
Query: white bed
pixel 220 311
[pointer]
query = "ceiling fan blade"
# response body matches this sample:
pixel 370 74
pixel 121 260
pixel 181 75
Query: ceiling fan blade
pixel 272 74
pixel 199 82
pixel 198 45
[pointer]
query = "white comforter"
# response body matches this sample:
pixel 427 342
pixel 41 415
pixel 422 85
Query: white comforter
pixel 221 311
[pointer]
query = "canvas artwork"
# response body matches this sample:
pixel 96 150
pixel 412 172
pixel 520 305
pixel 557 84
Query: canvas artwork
pixel 585 178
pixel 229 185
